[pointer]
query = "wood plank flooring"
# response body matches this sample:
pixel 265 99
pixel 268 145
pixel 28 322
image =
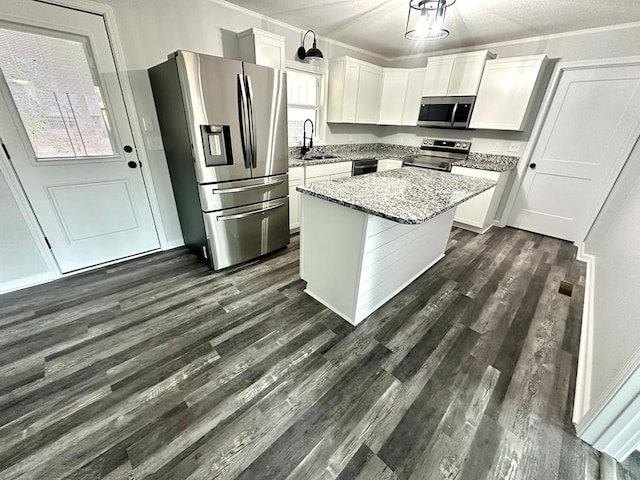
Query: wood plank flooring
pixel 159 368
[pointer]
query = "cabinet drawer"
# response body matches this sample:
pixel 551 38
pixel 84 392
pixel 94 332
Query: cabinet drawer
pixel 296 173
pixel 328 169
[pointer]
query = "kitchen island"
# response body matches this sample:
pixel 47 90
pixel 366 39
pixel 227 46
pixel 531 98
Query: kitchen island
pixel 365 238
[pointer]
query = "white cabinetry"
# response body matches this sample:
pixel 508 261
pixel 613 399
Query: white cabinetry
pixel 389 164
pixel 394 90
pixel 412 98
pixel 354 91
pixel 306 175
pixel 506 92
pixel 454 75
pixel 478 213
pixel 262 48
pixel 328 171
pixel 296 178
pixel 437 75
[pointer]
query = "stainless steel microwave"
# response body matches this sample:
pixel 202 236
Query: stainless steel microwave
pixel 446 112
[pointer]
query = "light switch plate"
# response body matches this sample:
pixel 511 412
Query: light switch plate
pixel 496 146
pixel 514 147
pixel 147 124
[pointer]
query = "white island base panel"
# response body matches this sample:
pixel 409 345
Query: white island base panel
pixel 354 262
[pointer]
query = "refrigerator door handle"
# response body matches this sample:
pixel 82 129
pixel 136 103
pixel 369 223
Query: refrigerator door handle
pixel 247 188
pixel 242 110
pixel 252 125
pixel 248 214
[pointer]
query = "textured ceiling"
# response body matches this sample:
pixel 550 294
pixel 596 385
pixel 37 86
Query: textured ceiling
pixel 378 25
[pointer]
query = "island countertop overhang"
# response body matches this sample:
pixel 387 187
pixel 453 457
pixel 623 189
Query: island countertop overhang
pixel 406 195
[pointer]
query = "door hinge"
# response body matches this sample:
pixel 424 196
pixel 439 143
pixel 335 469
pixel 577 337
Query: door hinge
pixel 6 152
pixel 48 244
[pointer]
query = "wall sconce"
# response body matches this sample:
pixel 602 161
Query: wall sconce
pixel 313 53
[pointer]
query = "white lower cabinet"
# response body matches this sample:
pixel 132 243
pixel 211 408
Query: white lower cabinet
pixel 306 176
pixel 389 164
pixel 296 178
pixel 478 213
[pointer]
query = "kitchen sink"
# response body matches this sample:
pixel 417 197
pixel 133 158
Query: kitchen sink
pixel 320 157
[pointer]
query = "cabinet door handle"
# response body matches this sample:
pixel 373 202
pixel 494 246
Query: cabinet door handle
pixel 532 166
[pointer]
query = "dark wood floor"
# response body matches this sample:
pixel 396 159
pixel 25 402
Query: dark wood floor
pixel 159 368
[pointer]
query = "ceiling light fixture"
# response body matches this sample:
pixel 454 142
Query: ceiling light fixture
pixel 313 53
pixel 426 19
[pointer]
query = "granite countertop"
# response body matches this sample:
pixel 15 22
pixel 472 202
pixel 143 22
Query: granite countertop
pixel 488 161
pixel 406 195
pixel 351 152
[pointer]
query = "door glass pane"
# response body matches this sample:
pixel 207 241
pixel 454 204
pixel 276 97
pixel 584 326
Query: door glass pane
pixel 57 97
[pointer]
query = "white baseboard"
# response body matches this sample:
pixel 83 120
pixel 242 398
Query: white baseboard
pixel 585 357
pixel 25 282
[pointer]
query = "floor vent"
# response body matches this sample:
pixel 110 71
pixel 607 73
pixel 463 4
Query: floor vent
pixel 566 288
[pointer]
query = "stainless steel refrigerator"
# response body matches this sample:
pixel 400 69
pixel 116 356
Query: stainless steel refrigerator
pixel 224 129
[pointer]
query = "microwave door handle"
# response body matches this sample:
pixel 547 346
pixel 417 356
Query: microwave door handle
pixel 242 110
pixel 252 124
pixel 453 114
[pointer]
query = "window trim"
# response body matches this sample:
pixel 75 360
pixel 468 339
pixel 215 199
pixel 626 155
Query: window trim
pixel 322 72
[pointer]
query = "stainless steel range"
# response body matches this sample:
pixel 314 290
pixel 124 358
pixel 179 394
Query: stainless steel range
pixel 437 154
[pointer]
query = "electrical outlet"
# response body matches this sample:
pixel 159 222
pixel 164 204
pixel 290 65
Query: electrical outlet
pixel 514 147
pixel 496 146
pixel 401 140
pixel 350 137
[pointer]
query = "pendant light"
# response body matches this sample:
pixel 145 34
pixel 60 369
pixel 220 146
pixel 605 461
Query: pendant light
pixel 426 19
pixel 313 53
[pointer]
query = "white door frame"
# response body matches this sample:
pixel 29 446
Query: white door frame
pixel 522 168
pixel 6 169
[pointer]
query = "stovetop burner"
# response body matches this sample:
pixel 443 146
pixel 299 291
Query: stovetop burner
pixel 438 154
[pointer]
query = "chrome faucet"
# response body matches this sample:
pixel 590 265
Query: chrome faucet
pixel 304 149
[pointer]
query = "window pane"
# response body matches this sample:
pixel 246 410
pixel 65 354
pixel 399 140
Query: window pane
pixel 302 88
pixel 56 96
pixel 296 117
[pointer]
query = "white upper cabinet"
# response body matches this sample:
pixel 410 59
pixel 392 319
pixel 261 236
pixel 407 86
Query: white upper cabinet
pixel 369 90
pixel 412 99
pixel 262 48
pixel 454 75
pixel 506 92
pixel 354 91
pixel 437 75
pixel 394 90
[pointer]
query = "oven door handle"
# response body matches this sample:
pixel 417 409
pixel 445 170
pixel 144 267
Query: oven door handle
pixel 247 188
pixel 453 114
pixel 248 214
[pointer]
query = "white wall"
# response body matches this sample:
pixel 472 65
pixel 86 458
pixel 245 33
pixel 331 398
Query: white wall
pixel 20 261
pixel 613 241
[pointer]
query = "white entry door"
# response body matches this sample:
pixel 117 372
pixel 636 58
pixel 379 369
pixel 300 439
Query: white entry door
pixel 65 130
pixel 589 131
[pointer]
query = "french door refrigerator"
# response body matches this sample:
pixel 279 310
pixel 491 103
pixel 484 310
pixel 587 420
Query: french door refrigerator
pixel 224 129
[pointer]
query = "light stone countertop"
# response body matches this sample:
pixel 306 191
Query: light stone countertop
pixel 406 195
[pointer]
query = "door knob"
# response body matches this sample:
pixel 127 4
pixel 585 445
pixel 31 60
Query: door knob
pixel 132 164
pixel 532 166
pixel 128 148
